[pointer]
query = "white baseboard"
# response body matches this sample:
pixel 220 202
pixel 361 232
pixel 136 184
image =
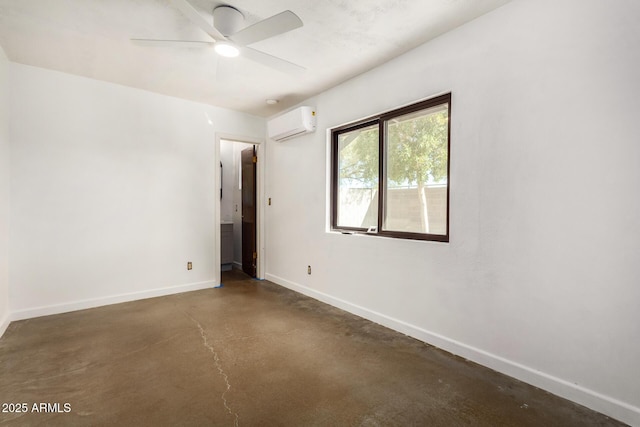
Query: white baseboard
pixel 30 313
pixel 607 405
pixel 4 323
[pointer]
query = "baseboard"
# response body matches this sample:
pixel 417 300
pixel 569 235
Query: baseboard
pixel 4 323
pixel 30 313
pixel 607 405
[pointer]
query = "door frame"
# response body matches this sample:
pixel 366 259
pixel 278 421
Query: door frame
pixel 260 209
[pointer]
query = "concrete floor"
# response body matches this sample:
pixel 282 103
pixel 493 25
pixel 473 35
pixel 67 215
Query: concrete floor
pixel 253 354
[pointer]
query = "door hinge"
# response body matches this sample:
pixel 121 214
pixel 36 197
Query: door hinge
pixel 255 255
pixel 255 159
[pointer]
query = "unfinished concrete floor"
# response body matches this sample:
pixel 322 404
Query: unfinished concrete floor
pixel 253 354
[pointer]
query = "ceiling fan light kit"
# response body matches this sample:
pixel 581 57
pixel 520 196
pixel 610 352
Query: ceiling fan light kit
pixel 227 50
pixel 229 40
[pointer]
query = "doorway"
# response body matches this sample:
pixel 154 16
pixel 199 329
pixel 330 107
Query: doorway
pixel 239 206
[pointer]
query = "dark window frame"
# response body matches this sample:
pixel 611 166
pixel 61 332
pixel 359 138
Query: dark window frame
pixel 381 120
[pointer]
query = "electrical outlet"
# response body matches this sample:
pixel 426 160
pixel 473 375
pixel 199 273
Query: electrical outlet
pixel 308 269
pixel 189 265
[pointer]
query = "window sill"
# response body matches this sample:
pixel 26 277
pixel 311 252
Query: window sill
pixel 411 238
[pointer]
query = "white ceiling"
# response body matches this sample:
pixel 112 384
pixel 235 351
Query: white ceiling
pixel 339 39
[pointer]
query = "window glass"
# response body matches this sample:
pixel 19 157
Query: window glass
pixel 358 178
pixel 416 148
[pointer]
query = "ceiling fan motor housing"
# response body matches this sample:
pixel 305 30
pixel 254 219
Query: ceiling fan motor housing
pixel 228 20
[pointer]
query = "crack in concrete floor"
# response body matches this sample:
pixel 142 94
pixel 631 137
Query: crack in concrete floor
pixel 253 337
pixel 221 371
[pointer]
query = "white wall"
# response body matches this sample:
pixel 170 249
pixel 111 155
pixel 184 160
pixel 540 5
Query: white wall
pixel 113 191
pixel 540 279
pixel 4 191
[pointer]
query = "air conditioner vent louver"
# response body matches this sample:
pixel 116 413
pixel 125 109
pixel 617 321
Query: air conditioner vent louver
pixel 296 122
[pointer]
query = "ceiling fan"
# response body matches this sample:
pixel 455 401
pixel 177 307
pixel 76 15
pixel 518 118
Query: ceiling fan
pixel 229 40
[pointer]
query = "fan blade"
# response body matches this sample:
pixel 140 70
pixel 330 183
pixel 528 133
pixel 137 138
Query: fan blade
pixel 172 43
pixel 195 17
pixel 277 24
pixel 271 61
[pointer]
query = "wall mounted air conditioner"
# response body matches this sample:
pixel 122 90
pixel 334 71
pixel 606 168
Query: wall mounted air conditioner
pixel 294 123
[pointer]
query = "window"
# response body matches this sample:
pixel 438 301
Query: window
pixel 390 173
